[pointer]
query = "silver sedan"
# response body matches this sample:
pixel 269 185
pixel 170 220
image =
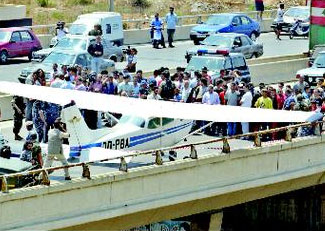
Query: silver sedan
pixel 235 43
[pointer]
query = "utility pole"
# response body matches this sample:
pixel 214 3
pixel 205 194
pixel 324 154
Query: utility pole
pixel 111 5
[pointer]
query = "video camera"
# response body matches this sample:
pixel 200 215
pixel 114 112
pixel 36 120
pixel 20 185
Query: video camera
pixel 128 50
pixel 60 25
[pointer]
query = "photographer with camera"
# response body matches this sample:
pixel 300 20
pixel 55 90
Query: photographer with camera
pixel 61 31
pixel 131 60
pixel 55 148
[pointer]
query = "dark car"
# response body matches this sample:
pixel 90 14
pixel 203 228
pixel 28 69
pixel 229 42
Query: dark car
pixel 218 61
pixel 17 42
pixel 226 23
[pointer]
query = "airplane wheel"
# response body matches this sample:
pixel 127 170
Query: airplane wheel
pixel 291 36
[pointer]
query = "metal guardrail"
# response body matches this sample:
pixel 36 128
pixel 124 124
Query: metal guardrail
pixel 158 154
pixel 145 22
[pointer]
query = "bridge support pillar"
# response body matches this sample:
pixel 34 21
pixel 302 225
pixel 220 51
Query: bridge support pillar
pixel 216 221
pixel 207 221
pixel 322 199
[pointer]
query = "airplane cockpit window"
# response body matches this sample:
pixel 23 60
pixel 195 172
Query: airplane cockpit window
pixel 137 121
pixel 166 121
pixel 154 123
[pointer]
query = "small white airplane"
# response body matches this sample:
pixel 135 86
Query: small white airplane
pixel 145 124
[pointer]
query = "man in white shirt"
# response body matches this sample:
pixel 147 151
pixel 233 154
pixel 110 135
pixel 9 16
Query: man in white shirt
pixel 186 91
pixel 67 84
pixel 58 81
pixel 61 31
pixel 171 21
pixel 211 97
pixel 125 87
pixel 279 20
pixel 246 101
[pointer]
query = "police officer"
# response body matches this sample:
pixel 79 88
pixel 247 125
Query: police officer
pixel 18 106
pixel 55 148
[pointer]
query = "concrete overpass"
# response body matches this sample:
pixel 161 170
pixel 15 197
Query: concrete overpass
pixel 143 195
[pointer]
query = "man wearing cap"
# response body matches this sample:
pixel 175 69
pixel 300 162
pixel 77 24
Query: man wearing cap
pixel 171 21
pixel 55 148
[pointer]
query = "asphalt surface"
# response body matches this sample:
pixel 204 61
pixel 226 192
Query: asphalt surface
pixel 150 59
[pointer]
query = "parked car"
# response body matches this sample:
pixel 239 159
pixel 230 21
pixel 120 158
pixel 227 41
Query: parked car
pixel 301 13
pixel 314 52
pixel 64 57
pixel 17 42
pixel 235 43
pixel 77 42
pixel 218 61
pixel 225 23
pixel 315 72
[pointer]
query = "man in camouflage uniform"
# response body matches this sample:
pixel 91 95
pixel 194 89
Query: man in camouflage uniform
pixel 18 106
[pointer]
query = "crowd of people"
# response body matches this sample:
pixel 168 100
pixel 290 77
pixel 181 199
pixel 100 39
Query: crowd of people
pixel 181 86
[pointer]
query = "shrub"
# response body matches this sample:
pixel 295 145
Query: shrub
pixel 43 3
pixel 83 2
pixel 141 3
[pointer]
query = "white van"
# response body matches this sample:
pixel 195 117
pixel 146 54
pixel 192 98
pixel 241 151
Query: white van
pixel 111 23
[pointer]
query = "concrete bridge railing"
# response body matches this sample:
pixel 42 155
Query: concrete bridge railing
pixel 144 195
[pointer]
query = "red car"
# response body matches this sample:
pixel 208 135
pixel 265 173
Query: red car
pixel 17 42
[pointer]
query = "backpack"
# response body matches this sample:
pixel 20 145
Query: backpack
pixel 167 90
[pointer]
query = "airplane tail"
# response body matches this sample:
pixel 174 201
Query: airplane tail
pixel 81 137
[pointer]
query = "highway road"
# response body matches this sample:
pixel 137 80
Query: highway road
pixel 150 59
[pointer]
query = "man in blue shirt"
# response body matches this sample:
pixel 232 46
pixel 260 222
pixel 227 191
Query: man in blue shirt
pixel 157 26
pixel 171 21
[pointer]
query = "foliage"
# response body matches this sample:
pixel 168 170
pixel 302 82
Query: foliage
pixel 43 3
pixel 83 2
pixel 78 2
pixel 58 15
pixel 141 3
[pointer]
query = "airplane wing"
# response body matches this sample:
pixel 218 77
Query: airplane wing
pixel 153 108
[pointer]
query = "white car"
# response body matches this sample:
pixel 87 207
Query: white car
pixel 315 72
pixel 64 57
pixel 81 43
